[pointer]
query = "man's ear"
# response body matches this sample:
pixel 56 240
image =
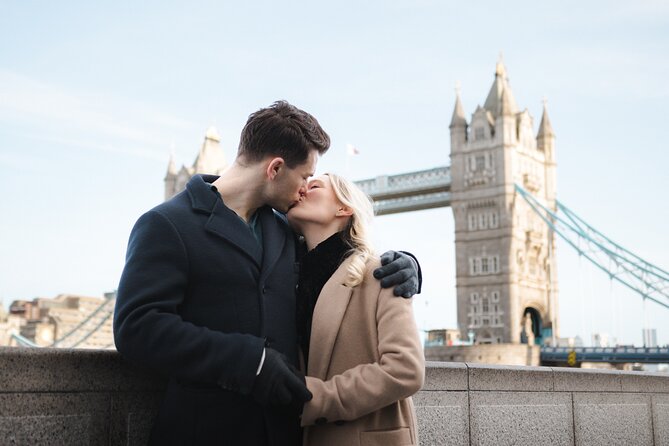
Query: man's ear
pixel 274 166
pixel 344 211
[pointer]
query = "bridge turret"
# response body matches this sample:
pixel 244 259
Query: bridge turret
pixel 546 136
pixel 458 125
pixel 506 123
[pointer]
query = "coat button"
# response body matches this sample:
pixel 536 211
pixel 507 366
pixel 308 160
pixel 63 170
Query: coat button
pixel 264 290
pixel 320 421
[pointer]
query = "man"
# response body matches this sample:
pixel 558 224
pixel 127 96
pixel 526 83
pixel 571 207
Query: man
pixel 207 295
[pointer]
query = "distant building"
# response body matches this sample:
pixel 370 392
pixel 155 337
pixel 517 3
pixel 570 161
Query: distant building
pixel 210 160
pixel 601 340
pixel 649 337
pixel 67 320
pixel 440 337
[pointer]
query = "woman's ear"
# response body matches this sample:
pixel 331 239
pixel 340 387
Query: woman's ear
pixel 274 166
pixel 344 211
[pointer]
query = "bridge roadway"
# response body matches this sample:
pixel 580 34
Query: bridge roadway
pixel 79 396
pixel 612 355
pixel 412 191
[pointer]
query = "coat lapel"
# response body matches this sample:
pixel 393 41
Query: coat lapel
pixel 328 314
pixel 273 239
pixel 223 222
pixel 226 224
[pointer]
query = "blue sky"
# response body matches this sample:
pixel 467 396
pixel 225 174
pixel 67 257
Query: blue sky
pixel 95 96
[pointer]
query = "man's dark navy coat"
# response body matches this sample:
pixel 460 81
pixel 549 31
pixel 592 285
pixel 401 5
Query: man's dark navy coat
pixel 198 300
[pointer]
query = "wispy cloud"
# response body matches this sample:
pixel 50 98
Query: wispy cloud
pixel 99 121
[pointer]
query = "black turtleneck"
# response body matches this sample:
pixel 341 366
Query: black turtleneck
pixel 316 267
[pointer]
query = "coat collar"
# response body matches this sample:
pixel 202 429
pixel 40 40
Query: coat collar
pixel 199 192
pixel 328 314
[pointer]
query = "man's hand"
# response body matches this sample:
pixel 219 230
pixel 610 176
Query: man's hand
pixel 279 382
pixel 399 270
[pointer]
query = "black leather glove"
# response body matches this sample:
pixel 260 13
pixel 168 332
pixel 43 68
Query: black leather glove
pixel 279 382
pixel 401 271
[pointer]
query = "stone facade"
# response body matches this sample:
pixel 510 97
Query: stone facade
pixel 505 255
pixel 210 160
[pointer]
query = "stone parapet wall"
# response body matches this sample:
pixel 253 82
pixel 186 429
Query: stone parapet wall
pixel 478 404
pixel 58 396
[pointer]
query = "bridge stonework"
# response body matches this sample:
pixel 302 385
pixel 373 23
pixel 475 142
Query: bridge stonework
pixel 61 397
pixel 505 255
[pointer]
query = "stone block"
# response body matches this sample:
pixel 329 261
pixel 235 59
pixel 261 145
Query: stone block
pixel 132 417
pixel 54 418
pixel 644 382
pixel 586 380
pixel 661 419
pixel 59 370
pixel 521 418
pixel 496 377
pixel 443 418
pixel 445 376
pixel 609 419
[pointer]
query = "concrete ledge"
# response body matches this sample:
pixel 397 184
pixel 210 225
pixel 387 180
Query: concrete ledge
pixel 57 396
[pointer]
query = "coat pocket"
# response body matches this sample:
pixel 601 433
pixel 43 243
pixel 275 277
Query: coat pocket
pixel 394 437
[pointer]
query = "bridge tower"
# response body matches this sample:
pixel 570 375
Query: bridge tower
pixel 505 255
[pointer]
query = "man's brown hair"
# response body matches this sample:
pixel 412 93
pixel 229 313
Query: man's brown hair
pixel 282 130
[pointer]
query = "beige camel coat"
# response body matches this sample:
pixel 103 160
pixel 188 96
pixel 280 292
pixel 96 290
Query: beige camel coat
pixel 365 361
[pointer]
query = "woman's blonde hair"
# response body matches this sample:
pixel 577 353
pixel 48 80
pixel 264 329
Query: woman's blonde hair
pixel 357 231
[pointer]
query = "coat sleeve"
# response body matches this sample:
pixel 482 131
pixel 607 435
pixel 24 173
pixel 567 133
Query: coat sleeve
pixel 148 329
pixel 398 374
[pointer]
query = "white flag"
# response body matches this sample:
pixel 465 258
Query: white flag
pixel 352 150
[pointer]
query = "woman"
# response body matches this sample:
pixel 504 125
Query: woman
pixel 363 355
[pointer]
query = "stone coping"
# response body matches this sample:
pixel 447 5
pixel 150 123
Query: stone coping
pixel 449 376
pixel 83 370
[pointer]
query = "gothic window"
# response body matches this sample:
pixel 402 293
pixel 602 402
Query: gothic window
pixel 494 221
pixel 480 163
pixel 495 264
pixel 472 222
pixel 483 224
pixel 485 307
pixel 494 296
pixel 484 265
pixel 473 267
pixel 474 298
pixel 485 321
pixel 479 133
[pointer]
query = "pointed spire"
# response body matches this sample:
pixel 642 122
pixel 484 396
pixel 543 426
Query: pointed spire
pixel 500 69
pixel 212 134
pixel 171 166
pixel 545 127
pixel 211 158
pixel 458 118
pixel 500 87
pixel 506 108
